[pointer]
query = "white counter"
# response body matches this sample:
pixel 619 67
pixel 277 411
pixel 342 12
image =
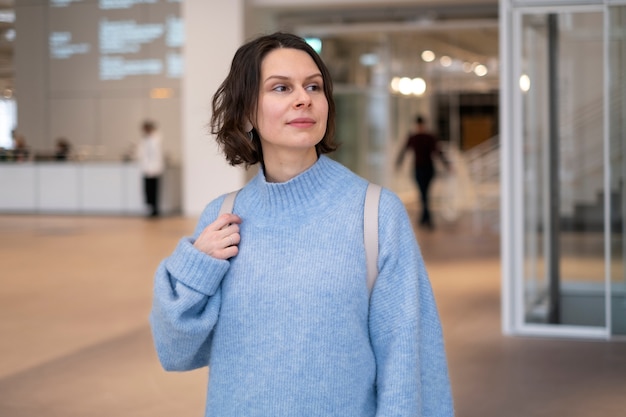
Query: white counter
pixel 82 187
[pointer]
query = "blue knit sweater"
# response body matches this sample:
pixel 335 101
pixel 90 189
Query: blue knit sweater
pixel 287 327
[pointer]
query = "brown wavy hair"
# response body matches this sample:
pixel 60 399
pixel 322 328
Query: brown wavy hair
pixel 235 101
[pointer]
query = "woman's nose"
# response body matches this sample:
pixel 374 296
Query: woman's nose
pixel 303 98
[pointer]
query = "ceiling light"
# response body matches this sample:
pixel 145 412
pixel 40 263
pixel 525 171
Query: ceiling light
pixel 480 70
pixel 9 35
pixel 524 83
pixel 395 84
pixel 405 87
pixel 418 86
pixel 428 56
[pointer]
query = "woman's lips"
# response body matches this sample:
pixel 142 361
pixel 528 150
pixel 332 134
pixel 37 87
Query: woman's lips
pixel 302 122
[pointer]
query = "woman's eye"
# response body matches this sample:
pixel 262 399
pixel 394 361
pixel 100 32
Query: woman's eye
pixel 280 88
pixel 314 87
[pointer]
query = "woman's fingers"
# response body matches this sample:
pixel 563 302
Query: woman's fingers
pixel 220 238
pixel 232 239
pixel 226 253
pixel 225 220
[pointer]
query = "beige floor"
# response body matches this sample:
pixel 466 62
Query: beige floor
pixel 74 338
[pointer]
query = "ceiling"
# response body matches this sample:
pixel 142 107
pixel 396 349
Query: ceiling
pixel 468 30
pixel 467 34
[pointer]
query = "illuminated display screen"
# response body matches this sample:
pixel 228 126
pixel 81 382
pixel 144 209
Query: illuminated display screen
pixel 104 44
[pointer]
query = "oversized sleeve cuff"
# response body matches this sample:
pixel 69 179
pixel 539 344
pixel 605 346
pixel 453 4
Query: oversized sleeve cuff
pixel 196 269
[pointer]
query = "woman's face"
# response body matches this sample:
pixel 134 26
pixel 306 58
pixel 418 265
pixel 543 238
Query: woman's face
pixel 292 110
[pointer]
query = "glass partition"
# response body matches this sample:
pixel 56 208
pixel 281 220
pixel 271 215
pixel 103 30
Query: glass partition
pixel 361 131
pixel 562 130
pixel 563 168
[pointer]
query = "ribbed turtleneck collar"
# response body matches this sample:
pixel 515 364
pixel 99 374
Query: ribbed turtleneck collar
pixel 312 190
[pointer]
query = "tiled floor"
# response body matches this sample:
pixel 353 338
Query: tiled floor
pixel 74 338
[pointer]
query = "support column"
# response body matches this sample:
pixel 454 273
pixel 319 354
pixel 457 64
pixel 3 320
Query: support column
pixel 213 32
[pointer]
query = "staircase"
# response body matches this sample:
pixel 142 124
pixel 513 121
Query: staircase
pixel 590 216
pixel 483 168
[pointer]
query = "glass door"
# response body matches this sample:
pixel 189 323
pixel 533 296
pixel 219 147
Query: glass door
pixel 561 87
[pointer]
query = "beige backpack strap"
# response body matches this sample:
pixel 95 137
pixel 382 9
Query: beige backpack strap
pixel 370 232
pixel 228 203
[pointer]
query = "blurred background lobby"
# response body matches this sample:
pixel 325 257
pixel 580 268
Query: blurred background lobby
pixel 527 256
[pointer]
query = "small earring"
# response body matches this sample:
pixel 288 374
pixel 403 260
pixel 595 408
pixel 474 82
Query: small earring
pixel 248 128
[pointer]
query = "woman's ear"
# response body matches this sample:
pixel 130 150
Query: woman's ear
pixel 248 126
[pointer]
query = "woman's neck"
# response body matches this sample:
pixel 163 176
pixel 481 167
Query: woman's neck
pixel 283 167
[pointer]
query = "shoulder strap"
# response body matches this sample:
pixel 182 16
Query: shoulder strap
pixel 228 203
pixel 370 232
pixel 370 227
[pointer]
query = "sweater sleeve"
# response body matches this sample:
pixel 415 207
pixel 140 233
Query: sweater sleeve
pixel 186 302
pixel 405 329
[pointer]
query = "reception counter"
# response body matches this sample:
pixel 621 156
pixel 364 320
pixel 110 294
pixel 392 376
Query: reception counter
pixel 113 188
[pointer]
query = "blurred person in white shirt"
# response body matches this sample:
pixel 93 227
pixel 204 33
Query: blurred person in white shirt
pixel 151 163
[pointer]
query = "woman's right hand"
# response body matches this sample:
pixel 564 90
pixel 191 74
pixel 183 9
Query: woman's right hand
pixel 220 238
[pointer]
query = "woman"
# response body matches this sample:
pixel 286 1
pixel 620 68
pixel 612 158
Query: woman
pixel 273 297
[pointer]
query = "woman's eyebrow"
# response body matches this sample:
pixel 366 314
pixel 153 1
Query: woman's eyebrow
pixel 284 77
